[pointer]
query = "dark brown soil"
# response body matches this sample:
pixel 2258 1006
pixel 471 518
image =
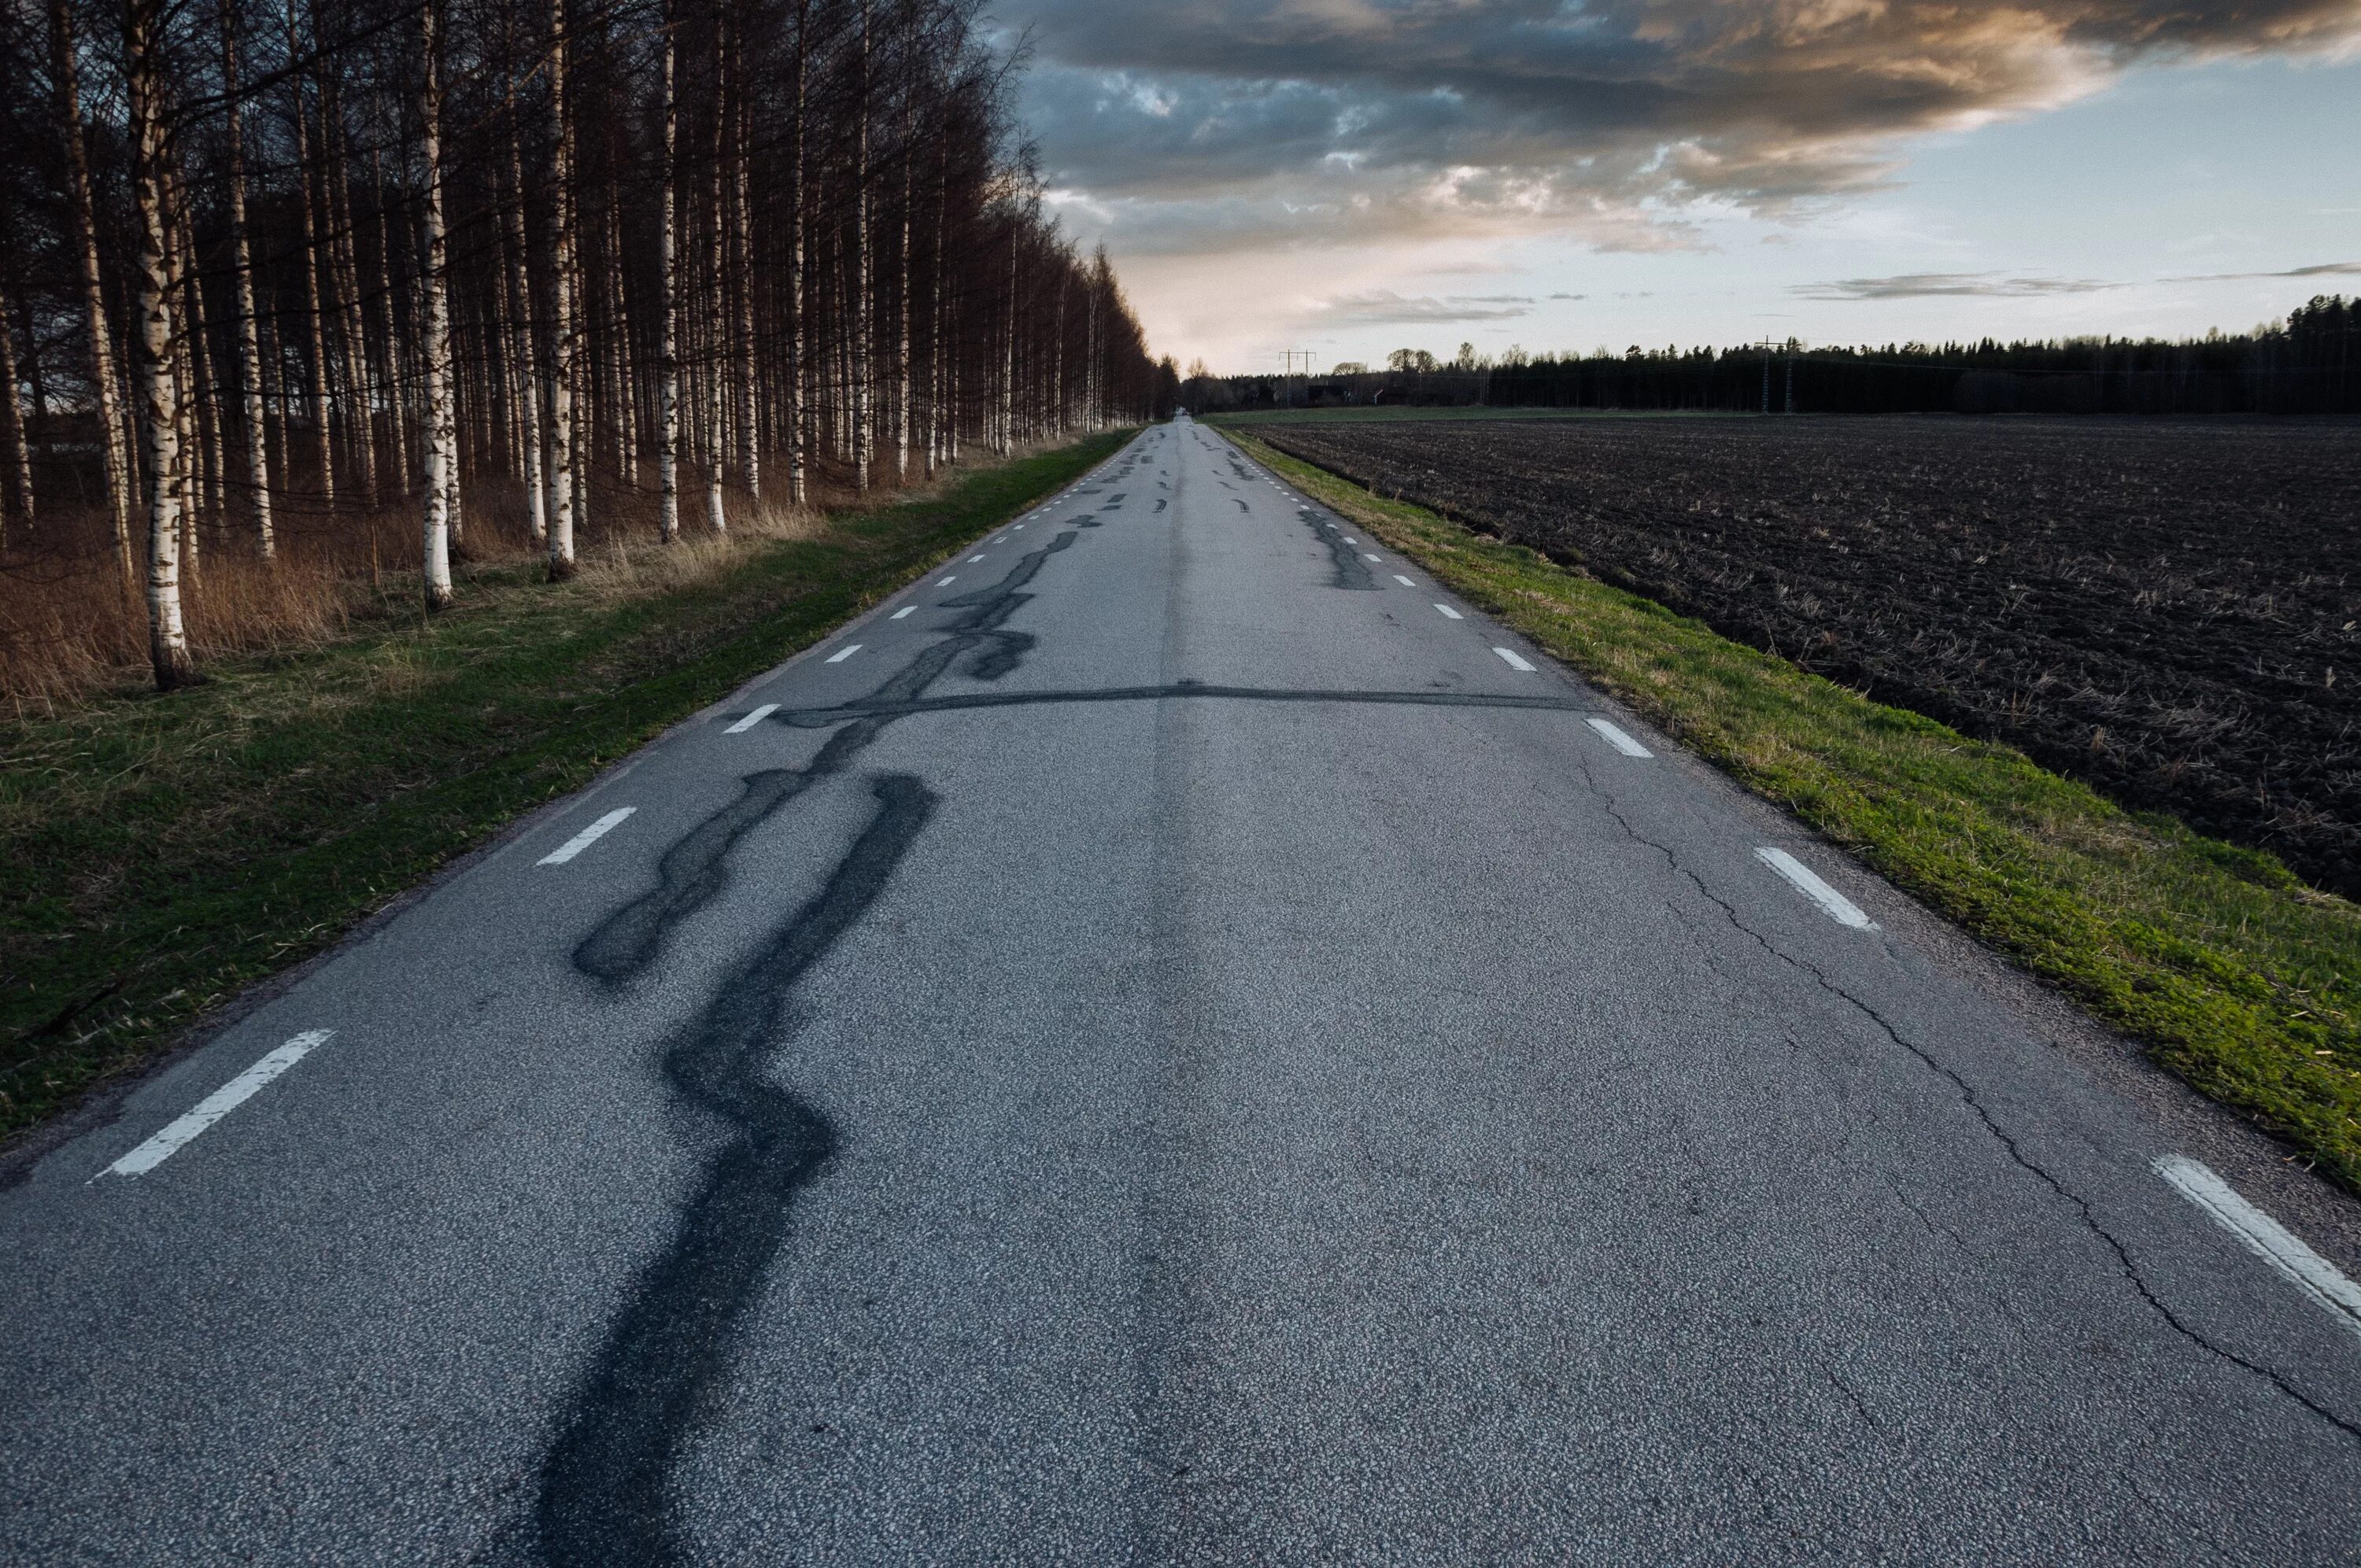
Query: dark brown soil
pixel 2166 608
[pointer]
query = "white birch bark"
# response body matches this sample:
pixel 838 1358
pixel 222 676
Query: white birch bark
pixel 396 408
pixel 797 302
pixel 343 264
pixel 561 339
pixel 318 365
pixel 717 354
pixel 66 70
pixel 20 455
pixel 668 263
pixel 160 414
pixel 749 429
pixel 249 346
pixel 858 326
pixel 442 429
pixel 520 283
pixel 901 354
pixel 1008 347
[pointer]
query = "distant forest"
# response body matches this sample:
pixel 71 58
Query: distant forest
pixel 2306 366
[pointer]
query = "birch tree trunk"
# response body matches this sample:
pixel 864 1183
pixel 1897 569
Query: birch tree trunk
pixel 344 266
pixel 860 325
pixel 937 448
pixel 750 432
pixel 1008 348
pixel 66 69
pixel 667 265
pixel 902 354
pixel 536 495
pixel 717 354
pixel 562 341
pixel 396 410
pixel 797 302
pixel 160 414
pixel 203 376
pixel 442 430
pixel 318 367
pixel 21 455
pixel 250 346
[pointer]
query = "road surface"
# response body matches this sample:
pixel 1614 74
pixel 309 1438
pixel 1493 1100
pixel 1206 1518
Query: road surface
pixel 1173 1040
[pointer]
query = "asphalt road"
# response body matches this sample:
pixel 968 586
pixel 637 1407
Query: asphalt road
pixel 1173 1041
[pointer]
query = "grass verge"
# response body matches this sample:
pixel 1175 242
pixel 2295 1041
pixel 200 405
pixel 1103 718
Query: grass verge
pixel 2231 972
pixel 165 852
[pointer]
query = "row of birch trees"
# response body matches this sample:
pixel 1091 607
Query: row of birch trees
pixel 268 265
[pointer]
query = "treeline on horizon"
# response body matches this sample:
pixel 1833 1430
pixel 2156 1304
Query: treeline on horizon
pixel 2307 364
pixel 269 267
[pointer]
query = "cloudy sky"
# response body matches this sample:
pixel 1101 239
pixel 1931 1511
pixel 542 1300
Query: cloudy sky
pixel 1351 176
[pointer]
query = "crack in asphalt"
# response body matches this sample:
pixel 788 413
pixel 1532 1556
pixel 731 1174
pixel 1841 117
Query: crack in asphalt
pixel 691 872
pixel 1352 572
pixel 2129 1269
pixel 604 1484
pixel 605 1481
pixel 821 717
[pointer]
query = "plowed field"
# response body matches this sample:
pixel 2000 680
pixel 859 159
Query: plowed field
pixel 2167 609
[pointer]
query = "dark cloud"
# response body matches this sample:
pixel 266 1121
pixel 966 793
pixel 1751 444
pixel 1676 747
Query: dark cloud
pixel 1933 285
pixel 2324 270
pixel 1333 120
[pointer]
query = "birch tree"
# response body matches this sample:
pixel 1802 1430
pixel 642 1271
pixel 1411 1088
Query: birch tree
pixel 442 429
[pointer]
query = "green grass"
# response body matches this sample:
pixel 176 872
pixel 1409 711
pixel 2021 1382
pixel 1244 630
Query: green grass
pixel 1382 413
pixel 165 852
pixel 2231 972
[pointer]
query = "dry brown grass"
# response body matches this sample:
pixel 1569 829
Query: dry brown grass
pixel 72 626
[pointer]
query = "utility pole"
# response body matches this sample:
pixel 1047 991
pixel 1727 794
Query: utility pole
pixel 1287 359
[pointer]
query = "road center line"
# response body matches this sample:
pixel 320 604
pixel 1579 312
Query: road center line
pixel 588 837
pixel 1838 907
pixel 1449 613
pixel 973 559
pixel 899 614
pixel 1515 661
pixel 1616 739
pixel 945 582
pixel 841 654
pixel 218 1105
pixel 1366 556
pixel 1404 581
pixel 2264 1236
pixel 753 719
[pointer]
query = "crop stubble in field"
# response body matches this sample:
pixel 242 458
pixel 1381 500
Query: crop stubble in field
pixel 2167 609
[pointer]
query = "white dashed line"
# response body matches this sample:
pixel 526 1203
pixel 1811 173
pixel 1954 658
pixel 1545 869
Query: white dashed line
pixel 1366 556
pixel 1616 739
pixel 588 837
pixel 1350 540
pixel 973 559
pixel 1515 661
pixel 1404 581
pixel 945 582
pixel 1020 527
pixel 1839 908
pixel 218 1105
pixel 753 719
pixel 906 609
pixel 2264 1236
pixel 841 654
pixel 1449 613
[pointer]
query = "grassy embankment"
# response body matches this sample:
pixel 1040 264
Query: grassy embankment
pixel 2236 976
pixel 164 852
